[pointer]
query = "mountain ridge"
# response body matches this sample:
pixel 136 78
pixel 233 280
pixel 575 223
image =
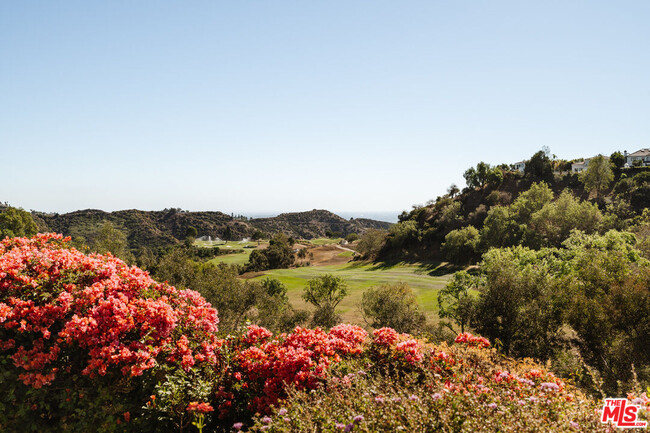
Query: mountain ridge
pixel 170 226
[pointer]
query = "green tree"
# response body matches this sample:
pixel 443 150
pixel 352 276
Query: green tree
pixel 371 242
pixel 453 190
pixel 479 176
pixel 257 261
pixel 555 221
pixel 530 201
pixel 617 159
pixel 325 293
pixel 518 302
pixel 106 238
pixel 455 301
pixel 403 233
pixel 495 176
pixel 191 232
pixel 642 178
pixel 278 255
pixel 227 234
pixel 16 223
pixel 257 235
pixel 539 167
pixel 598 175
pixel 500 229
pixel 461 245
pixel 352 237
pixel 471 178
pixel 394 306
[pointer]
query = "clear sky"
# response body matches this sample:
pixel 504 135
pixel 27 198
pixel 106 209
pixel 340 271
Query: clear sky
pixel 262 106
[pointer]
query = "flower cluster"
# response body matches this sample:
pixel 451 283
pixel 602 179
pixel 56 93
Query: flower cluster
pixel 64 311
pixel 196 407
pixel 266 366
pixel 472 340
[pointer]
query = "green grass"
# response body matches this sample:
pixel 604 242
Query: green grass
pixel 361 276
pixel 322 241
pixel 346 254
pixel 227 244
pixel 232 259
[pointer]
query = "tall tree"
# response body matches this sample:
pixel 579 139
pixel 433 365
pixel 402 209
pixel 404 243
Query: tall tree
pixel 539 166
pixel 454 300
pixel 453 190
pixel 598 175
pixel 617 159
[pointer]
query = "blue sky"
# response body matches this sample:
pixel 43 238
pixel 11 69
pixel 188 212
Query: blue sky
pixel 250 106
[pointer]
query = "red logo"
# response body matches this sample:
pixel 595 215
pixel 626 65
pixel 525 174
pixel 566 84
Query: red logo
pixel 621 413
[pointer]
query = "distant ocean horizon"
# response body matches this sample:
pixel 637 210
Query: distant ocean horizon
pixel 387 216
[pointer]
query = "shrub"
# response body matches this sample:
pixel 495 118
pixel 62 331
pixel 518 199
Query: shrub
pixel 460 388
pixel 392 305
pixel 352 237
pixel 325 293
pixel 82 337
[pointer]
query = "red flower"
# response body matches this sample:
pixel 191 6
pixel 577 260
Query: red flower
pixel 199 407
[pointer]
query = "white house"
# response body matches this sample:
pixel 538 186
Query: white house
pixel 579 166
pixel 642 155
pixel 519 166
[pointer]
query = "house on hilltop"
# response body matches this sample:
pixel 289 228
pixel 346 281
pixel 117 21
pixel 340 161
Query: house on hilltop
pixel 642 155
pixel 519 166
pixel 579 166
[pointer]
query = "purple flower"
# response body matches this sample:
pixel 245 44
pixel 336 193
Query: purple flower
pixel 414 397
pixel 286 419
pixel 521 402
pixel 349 427
pixel 532 398
pixel 282 411
pixel 492 405
pixel 550 386
pixel 358 418
pixel 396 399
pixel 267 420
pixel 339 425
pixel 574 424
pixel 238 425
pixel 379 399
pixel 436 396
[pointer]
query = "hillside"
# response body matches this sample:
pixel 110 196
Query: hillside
pixel 169 226
pixel 500 201
pixel 315 224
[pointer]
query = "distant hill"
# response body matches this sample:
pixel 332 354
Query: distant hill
pixel 315 223
pixel 169 226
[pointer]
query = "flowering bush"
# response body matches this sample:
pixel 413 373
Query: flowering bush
pixel 263 368
pixel 472 340
pixel 479 391
pixel 66 316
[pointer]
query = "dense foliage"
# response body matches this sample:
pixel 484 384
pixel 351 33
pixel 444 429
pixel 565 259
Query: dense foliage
pixel 78 331
pixel 277 255
pixel 585 305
